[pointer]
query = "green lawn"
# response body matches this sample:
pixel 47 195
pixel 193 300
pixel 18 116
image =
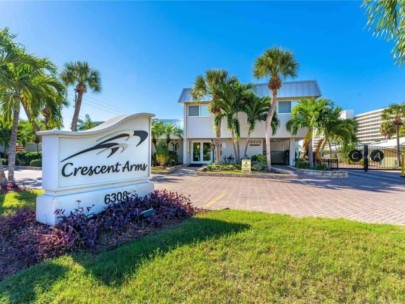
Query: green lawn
pixel 230 257
pixel 15 200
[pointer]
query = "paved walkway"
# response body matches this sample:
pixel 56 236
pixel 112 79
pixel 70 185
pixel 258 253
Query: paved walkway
pixel 358 198
pixel 373 198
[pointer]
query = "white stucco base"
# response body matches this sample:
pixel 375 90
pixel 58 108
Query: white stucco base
pixel 48 203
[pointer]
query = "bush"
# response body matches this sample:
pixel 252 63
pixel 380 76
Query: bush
pixel 32 242
pixel 173 158
pixel 258 167
pixel 24 158
pixel 321 167
pixel 4 162
pixel 162 158
pixel 259 158
pixel 302 164
pixel 36 163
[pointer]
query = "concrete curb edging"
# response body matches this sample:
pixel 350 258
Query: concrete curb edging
pixel 283 174
pixel 323 174
pixel 28 168
pixel 170 170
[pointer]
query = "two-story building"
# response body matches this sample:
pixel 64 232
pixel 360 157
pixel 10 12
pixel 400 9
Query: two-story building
pixel 199 131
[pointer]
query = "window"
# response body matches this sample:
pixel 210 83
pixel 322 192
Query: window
pixel 193 111
pixel 201 111
pixel 204 111
pixel 284 107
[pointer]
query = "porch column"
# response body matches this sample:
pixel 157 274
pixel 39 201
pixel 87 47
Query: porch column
pixel 292 152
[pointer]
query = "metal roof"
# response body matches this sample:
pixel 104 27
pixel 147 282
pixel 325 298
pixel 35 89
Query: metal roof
pixel 290 89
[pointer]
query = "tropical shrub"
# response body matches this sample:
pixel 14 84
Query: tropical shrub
pixel 321 167
pixel 36 163
pixel 162 158
pixel 4 161
pixel 24 158
pixel 302 164
pixel 22 238
pixel 260 158
pixel 259 167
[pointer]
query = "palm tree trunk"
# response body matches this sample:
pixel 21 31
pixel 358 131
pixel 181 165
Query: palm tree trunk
pixel 218 151
pixel 398 146
pixel 29 116
pixel 3 179
pixel 269 118
pixel 13 143
pixel 233 143
pixel 330 148
pixel 310 153
pixel 78 104
pixel 246 147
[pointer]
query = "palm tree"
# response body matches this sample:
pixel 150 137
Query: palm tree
pixel 395 115
pixel 387 129
pixel 18 84
pixel 172 130
pixel 308 114
pixel 387 17
pixel 278 64
pixel 82 76
pixel 208 86
pixel 231 99
pixel 158 130
pixel 86 123
pixel 256 109
pixel 336 129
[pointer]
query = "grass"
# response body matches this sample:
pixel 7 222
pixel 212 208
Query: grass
pixel 230 257
pixel 15 200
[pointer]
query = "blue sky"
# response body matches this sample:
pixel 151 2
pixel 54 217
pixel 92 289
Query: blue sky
pixel 147 52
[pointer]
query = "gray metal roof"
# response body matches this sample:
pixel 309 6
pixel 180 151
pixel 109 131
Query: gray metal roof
pixel 290 89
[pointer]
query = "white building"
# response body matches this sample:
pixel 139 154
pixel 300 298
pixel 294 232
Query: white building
pixel 199 130
pixel 369 126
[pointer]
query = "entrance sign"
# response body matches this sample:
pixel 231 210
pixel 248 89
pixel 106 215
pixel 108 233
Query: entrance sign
pixel 96 167
pixel 246 166
pixel 377 156
pixel 355 155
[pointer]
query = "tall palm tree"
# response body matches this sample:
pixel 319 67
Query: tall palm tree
pixel 278 64
pixel 308 114
pixel 208 86
pixel 387 129
pixel 231 99
pixel 82 76
pixel 387 17
pixel 172 130
pixel 256 109
pixel 395 115
pixel 158 130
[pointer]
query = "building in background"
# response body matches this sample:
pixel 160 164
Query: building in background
pixel 199 134
pixel 369 124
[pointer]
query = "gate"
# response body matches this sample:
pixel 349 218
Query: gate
pixel 365 158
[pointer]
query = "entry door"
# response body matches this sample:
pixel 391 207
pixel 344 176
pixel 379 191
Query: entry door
pixel 201 152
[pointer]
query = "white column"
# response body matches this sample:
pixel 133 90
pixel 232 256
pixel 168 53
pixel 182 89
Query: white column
pixel 292 152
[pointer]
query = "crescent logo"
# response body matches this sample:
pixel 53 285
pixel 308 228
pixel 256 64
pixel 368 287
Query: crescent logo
pixel 108 143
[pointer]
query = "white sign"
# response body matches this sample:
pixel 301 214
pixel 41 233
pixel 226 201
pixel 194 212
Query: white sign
pixel 95 167
pixel 246 166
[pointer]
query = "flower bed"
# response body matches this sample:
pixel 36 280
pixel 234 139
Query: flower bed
pixel 24 242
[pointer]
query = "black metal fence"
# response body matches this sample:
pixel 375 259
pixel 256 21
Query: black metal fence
pixel 363 157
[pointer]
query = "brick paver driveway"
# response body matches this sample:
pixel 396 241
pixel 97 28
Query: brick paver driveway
pixel 366 199
pixel 373 197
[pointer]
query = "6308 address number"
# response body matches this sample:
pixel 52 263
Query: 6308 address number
pixel 116 197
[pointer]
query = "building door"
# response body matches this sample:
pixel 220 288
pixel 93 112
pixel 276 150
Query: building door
pixel 201 152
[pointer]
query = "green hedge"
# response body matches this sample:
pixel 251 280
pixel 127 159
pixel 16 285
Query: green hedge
pixel 36 163
pixel 25 158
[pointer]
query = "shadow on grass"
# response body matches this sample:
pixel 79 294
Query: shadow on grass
pixel 112 267
pixel 16 200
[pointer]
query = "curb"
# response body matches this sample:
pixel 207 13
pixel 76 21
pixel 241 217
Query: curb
pixel 323 174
